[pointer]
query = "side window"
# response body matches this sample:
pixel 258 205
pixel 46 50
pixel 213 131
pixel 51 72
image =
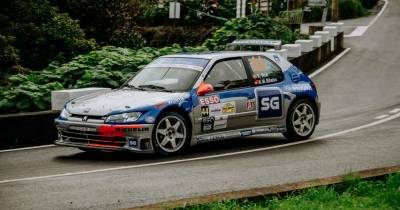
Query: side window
pixel 227 74
pixel 264 71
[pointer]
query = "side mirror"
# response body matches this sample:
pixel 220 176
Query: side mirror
pixel 204 89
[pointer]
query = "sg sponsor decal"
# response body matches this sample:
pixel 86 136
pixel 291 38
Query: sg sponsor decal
pixel 269 103
pixel 207 100
pixel 229 107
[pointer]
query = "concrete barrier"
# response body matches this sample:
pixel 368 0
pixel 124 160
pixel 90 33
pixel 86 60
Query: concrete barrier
pixel 317 40
pixel 27 129
pixel 332 30
pixel 324 35
pixel 281 52
pixel 293 50
pixel 60 97
pixel 339 26
pixel 306 45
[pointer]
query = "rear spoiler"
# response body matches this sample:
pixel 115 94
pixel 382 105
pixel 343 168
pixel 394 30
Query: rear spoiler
pixel 276 44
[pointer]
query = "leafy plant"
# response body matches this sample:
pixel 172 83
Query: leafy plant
pixel 255 26
pixel 108 67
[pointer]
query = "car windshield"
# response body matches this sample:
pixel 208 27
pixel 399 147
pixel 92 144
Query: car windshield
pixel 168 74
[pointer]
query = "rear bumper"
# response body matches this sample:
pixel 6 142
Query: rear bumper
pixel 132 138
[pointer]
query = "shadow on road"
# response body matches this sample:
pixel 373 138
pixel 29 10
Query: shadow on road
pixel 201 150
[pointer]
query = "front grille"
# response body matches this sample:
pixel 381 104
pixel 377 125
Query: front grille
pixel 92 138
pixel 90 117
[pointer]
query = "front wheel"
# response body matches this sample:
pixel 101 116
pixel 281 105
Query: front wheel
pixel 301 120
pixel 171 134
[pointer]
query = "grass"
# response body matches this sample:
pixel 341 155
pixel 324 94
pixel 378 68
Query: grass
pixel 353 193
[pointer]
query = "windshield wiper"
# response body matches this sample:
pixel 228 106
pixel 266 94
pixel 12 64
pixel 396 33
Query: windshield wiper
pixel 132 86
pixel 155 87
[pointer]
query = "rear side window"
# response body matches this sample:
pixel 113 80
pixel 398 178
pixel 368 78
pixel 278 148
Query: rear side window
pixel 264 71
pixel 228 74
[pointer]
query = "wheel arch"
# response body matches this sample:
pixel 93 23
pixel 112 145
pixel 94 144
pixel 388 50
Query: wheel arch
pixel 179 110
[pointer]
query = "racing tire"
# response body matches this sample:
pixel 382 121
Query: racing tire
pixel 171 134
pixel 301 120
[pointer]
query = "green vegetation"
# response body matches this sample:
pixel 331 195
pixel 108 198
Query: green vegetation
pixel 108 67
pixel 351 194
pixel 253 26
pixel 35 33
pixel 347 9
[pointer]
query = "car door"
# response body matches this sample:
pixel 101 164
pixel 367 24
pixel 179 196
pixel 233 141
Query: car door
pixel 225 107
pixel 268 80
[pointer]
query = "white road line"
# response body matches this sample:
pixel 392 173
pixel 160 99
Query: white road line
pixel 381 116
pixel 323 68
pixel 27 148
pixel 360 30
pixel 205 157
pixel 394 111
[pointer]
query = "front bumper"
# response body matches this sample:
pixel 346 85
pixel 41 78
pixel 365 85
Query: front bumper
pixel 133 138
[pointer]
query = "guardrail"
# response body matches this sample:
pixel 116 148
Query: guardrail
pixel 37 128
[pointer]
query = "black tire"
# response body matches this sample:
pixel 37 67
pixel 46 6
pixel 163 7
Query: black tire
pixel 293 132
pixel 173 134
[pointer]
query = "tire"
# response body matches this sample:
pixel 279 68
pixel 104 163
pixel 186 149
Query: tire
pixel 171 134
pixel 301 120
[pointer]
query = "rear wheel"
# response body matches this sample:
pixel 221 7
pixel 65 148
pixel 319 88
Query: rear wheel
pixel 301 120
pixel 171 134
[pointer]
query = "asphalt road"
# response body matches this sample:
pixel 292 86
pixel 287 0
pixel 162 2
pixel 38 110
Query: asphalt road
pixel 362 85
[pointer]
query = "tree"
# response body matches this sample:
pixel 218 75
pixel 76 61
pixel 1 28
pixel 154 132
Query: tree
pixel 41 33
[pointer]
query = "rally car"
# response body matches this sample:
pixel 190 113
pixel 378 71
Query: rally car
pixel 181 100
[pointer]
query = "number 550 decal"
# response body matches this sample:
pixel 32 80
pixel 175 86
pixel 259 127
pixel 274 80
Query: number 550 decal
pixel 269 103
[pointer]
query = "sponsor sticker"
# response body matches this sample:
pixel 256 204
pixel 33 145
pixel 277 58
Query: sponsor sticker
pixel 207 123
pixel 207 100
pixel 250 104
pixel 298 87
pixel 269 103
pixel 229 107
pixel 132 142
pixel 215 109
pixel 246 133
pixel 276 58
pixel 150 119
pixel 220 124
pixel 205 111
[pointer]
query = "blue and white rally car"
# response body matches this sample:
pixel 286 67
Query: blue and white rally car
pixel 185 99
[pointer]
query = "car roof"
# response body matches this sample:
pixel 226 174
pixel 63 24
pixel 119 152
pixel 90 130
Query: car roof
pixel 216 54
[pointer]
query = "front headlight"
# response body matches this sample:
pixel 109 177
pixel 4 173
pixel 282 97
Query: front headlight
pixel 123 118
pixel 65 114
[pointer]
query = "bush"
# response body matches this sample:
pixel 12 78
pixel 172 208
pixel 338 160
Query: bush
pixel 108 67
pixel 351 9
pixel 347 9
pixel 255 26
pixel 160 36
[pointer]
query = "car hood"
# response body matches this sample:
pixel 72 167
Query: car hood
pixel 100 104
